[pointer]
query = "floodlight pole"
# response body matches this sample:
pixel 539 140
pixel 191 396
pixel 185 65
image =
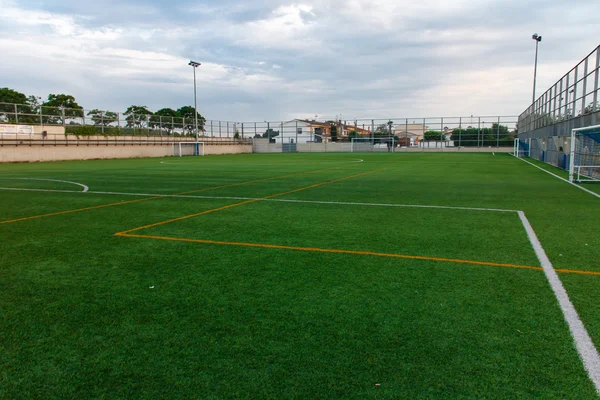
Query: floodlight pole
pixel 195 65
pixel 537 39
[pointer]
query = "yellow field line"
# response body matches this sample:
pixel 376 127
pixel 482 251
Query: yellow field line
pixel 162 197
pixel 243 202
pixel 337 251
pixel 355 252
pixel 77 210
pixel 575 271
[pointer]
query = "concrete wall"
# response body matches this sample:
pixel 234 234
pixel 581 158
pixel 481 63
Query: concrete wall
pixel 263 146
pixel 324 147
pixel 25 153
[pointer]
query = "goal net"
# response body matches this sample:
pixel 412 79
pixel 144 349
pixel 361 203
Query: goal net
pixel 181 149
pixel 521 149
pixel 374 144
pixel 585 155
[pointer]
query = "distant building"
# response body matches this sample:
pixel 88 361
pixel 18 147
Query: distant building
pixel 415 131
pixel 306 131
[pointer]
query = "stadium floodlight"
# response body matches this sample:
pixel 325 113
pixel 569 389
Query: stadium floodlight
pixel 195 65
pixel 537 39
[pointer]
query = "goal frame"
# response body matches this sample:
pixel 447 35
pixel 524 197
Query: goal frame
pixel 575 170
pixel 372 140
pixel 519 151
pixel 178 149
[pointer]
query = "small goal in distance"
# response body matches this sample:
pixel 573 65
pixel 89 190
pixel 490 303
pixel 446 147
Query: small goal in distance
pixel 584 162
pixel 181 149
pixel 373 144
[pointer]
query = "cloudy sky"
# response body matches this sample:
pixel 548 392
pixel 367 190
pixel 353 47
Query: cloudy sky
pixel 277 60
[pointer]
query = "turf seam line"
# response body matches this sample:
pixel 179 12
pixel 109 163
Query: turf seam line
pixel 584 344
pixel 246 202
pixel 561 178
pixel 85 188
pixel 275 200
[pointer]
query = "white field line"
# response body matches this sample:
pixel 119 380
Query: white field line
pixel 583 342
pixel 85 188
pixel 562 179
pixel 341 203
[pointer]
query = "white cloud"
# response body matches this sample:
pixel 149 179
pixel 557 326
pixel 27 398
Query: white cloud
pixel 286 27
pixel 371 58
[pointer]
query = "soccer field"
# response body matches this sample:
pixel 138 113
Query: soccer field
pixel 387 275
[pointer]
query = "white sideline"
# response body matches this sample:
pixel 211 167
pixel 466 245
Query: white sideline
pixel 561 178
pixel 85 188
pixel 583 342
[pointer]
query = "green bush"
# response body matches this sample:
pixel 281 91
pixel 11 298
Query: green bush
pixel 82 130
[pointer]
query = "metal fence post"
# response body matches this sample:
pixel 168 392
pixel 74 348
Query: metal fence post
pixel 16 115
pixel 442 132
pixel 498 133
pixel 372 130
pixel 478 130
pixel 459 131
pixel 596 87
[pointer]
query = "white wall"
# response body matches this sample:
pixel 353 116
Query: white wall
pixel 288 132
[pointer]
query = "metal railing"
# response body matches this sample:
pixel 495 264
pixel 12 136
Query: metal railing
pixel 471 131
pixel 106 126
pixel 82 122
pixel 573 95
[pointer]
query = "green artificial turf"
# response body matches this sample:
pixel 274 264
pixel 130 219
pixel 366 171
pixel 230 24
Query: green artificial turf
pixel 87 314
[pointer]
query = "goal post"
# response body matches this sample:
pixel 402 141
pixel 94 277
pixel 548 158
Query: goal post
pixel 373 144
pixel 584 160
pixel 181 149
pixel 522 148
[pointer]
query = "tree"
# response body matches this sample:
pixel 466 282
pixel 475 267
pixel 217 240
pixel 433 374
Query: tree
pixel 60 107
pixel 189 113
pixel 102 118
pixel 353 134
pixel 165 119
pixel 382 130
pixel 136 116
pixel 8 95
pixel 434 136
pixel 476 137
pixel 270 134
pixel 7 111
